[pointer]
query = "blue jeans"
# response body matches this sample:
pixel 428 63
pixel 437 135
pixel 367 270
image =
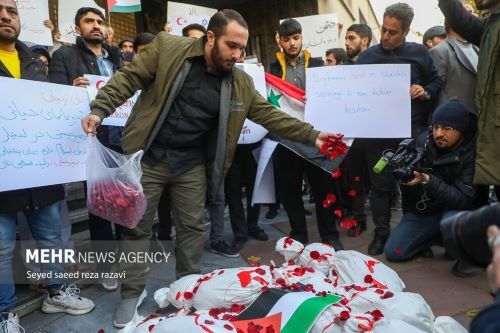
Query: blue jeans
pixel 413 234
pixel 45 225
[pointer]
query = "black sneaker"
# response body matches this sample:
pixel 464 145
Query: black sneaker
pixel 224 249
pixel 464 269
pixel 271 214
pixel 258 234
pixel 376 247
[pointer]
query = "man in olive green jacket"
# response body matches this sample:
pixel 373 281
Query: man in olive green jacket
pixel 196 77
pixel 486 35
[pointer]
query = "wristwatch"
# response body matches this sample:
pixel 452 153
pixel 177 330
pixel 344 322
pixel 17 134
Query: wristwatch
pixel 427 95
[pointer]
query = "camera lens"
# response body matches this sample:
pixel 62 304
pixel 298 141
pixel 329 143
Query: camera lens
pixel 464 234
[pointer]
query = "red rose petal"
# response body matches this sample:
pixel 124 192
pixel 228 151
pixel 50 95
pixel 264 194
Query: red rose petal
pixel 336 174
pixel 351 193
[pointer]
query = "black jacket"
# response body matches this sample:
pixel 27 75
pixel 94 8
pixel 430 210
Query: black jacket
pixel 423 73
pixel 36 197
pixel 450 186
pixel 74 61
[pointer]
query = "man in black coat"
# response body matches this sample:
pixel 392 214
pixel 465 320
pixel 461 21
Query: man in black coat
pixel 449 153
pixel 90 55
pixel 40 205
pixel 424 91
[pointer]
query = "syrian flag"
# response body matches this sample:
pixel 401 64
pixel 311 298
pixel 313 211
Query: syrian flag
pixel 298 310
pixel 124 6
pixel 290 99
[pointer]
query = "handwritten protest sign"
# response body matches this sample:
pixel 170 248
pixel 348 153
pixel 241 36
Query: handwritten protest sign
pixel 251 132
pixel 319 33
pixel 32 14
pixel 66 16
pixel 182 14
pixel 119 118
pixel 361 101
pixel 41 139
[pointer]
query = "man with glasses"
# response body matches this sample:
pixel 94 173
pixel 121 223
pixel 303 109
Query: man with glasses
pixel 449 152
pixel 424 91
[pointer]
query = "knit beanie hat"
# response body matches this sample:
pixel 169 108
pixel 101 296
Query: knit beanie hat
pixel 452 113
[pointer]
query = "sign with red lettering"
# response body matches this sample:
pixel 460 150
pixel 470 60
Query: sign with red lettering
pixel 119 118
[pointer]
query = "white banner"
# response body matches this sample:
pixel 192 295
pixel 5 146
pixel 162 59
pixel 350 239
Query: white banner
pixel 181 14
pixel 264 191
pixel 360 101
pixel 66 17
pixel 41 139
pixel 32 14
pixel 252 132
pixel 319 33
pixel 119 118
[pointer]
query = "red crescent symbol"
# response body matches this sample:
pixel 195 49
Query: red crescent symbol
pixel 98 84
pixel 180 21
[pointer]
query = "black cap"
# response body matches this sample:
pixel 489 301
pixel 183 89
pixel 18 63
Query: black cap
pixel 41 50
pixel 438 30
pixel 452 113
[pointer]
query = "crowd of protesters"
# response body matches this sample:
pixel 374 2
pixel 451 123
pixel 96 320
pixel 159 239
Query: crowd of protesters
pixel 193 165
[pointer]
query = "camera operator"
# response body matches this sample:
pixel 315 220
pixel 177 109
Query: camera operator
pixel 488 321
pixel 449 151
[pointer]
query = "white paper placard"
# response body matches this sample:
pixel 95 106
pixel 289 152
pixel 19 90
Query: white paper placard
pixel 252 132
pixel 66 17
pixel 119 118
pixel 264 191
pixel 41 139
pixel 360 101
pixel 181 14
pixel 32 14
pixel 319 33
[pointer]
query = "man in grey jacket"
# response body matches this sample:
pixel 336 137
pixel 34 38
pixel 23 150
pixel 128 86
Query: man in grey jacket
pixel 456 61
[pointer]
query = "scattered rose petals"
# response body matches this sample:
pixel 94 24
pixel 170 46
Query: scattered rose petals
pixel 334 146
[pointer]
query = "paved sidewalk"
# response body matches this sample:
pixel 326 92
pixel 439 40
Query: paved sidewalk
pixel 446 294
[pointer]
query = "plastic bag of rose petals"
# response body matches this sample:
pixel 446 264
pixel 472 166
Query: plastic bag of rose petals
pixel 114 190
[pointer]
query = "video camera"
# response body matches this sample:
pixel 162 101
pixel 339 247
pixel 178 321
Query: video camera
pixel 403 161
pixel 464 234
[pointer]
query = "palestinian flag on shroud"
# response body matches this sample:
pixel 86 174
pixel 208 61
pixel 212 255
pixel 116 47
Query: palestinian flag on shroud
pixel 124 6
pixel 297 310
pixel 290 99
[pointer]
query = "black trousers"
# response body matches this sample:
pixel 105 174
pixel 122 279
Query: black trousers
pixel 165 215
pixel 242 174
pixel 382 184
pixel 290 170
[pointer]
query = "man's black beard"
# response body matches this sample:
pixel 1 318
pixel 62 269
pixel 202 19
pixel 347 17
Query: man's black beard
pixel 217 60
pixel 8 39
